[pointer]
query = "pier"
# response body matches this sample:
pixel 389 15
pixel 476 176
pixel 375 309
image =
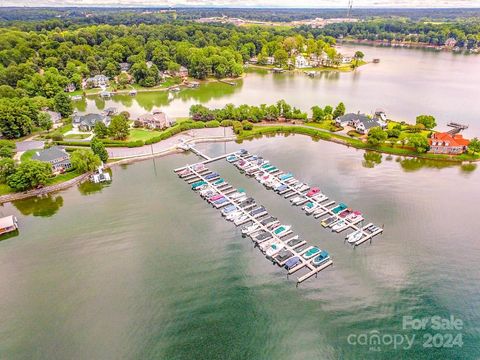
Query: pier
pixel 225 192
pixel 456 128
pixel 295 188
pixel 336 217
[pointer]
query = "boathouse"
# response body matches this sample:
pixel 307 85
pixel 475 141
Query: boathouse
pixel 8 224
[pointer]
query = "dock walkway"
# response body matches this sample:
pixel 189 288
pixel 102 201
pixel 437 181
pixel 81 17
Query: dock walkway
pixel 256 219
pixel 323 209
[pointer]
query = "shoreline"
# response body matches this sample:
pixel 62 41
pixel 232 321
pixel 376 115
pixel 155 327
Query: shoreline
pixel 161 89
pixel 276 129
pixel 406 45
pixel 84 177
pixel 319 69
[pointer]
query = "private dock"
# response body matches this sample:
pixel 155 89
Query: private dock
pixel 456 128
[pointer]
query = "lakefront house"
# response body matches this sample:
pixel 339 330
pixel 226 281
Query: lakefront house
pixel 361 122
pixel 56 156
pixel 156 120
pixel 301 62
pixel 96 81
pixel 445 143
pixel 87 122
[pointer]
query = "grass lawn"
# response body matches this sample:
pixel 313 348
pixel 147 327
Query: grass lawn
pixel 64 129
pixel 63 177
pixel 355 134
pixel 142 134
pixel 5 189
pixel 326 125
pixel 27 155
pixel 404 133
pixel 77 136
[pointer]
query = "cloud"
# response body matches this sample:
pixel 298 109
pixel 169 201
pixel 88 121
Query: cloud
pixel 248 3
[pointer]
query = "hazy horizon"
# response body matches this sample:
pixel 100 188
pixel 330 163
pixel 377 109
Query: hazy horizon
pixel 301 4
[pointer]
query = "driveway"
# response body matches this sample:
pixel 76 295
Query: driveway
pixel 29 145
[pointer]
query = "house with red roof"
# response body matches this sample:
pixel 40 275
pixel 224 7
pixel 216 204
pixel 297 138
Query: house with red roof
pixel 445 143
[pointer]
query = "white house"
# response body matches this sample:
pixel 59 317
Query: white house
pixel 270 60
pixel 301 62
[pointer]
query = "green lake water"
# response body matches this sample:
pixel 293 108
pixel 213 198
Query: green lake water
pixel 145 269
pixel 406 83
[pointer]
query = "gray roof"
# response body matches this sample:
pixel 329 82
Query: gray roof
pixel 88 119
pixel 50 154
pixel 352 117
pixel 370 123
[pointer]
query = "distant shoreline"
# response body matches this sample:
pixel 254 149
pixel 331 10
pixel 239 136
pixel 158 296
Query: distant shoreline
pixel 404 44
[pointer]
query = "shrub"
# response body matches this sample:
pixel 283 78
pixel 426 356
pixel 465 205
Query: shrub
pixel 226 123
pixel 137 124
pixel 212 124
pixel 237 127
pixel 247 125
pixel 57 137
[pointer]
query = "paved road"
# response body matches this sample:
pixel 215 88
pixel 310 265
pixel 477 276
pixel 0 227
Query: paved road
pixel 123 152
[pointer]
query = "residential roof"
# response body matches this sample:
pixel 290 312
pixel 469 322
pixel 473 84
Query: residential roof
pixel 7 222
pixel 50 154
pixel 352 117
pixel 370 123
pixel 54 116
pixel 88 119
pixel 452 141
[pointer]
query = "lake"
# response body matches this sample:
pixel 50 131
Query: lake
pixel 143 268
pixel 406 83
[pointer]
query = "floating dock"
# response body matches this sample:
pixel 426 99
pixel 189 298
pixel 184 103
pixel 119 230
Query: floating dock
pixel 256 219
pixel 293 188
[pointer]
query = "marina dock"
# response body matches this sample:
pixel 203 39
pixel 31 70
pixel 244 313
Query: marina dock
pixel 335 217
pixel 323 210
pixel 246 218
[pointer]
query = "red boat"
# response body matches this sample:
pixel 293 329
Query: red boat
pixel 313 191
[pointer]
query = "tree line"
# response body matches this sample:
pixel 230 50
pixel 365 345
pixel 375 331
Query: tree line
pixel 465 32
pixel 246 112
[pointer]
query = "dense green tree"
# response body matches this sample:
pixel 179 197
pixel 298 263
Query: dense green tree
pixel 474 145
pixel 63 104
pixel 100 130
pixel 339 110
pixel 98 148
pixel 119 128
pixel 84 160
pixel 7 168
pixel 376 136
pixel 426 120
pixel 419 142
pixel 6 152
pixel 45 121
pixel 281 57
pixel 317 113
pixel 30 174
pixel 18 116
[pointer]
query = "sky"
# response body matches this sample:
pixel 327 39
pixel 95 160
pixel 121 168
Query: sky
pixel 248 3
